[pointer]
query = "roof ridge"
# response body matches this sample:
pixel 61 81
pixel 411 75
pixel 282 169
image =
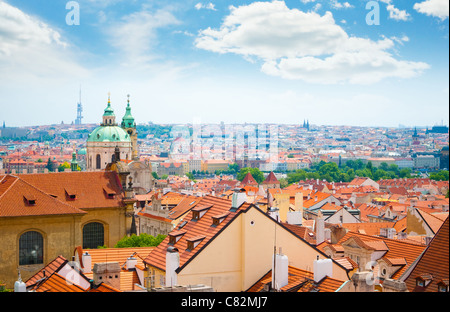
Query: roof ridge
pixel 9 187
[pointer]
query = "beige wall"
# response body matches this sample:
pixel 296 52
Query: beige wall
pixel 282 202
pixel 242 254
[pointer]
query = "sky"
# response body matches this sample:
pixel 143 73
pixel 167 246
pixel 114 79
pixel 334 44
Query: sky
pixel 332 62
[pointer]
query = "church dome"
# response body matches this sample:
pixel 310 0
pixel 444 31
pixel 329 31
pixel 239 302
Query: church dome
pixel 109 134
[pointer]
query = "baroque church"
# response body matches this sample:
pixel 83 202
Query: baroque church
pixel 112 147
pixel 47 215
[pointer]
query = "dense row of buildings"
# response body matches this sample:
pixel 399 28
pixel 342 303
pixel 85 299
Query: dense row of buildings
pixel 221 234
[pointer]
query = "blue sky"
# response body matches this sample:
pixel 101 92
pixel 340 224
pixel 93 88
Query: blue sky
pixel 232 61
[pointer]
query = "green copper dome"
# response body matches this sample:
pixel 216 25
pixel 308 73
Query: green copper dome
pixel 109 134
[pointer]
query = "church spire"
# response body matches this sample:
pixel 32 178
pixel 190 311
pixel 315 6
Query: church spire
pixel 109 119
pixel 128 119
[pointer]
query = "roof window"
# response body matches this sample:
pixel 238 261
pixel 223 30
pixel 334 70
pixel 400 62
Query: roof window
pixel 70 194
pixel 219 218
pixel 194 241
pixel 198 212
pixel 175 236
pixel 30 199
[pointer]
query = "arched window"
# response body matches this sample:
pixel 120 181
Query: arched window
pixel 93 235
pixel 31 248
pixel 98 162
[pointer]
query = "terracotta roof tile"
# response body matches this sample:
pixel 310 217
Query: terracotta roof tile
pixel 434 261
pixel 57 283
pixel 396 248
pixel 87 186
pixel 49 269
pixel 15 200
pixel 299 281
pixel 249 180
pixel 201 227
pixel 271 179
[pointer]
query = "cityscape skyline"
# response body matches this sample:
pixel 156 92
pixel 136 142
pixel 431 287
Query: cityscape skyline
pixel 216 61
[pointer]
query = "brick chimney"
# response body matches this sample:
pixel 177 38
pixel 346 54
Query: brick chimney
pixel 108 273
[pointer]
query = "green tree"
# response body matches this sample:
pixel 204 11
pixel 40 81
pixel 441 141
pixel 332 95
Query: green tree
pixel 405 173
pixel 384 166
pixel 63 166
pixel 283 182
pixel 234 167
pixel 190 176
pixel 50 165
pixel 142 240
pixel 155 175
pixel 298 175
pixel 441 175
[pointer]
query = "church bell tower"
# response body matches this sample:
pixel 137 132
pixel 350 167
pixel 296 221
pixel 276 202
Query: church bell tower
pixel 129 125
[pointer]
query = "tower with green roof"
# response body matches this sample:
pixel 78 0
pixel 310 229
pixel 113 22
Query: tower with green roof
pixel 129 125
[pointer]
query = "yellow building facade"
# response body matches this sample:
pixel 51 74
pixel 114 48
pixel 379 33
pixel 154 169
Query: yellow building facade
pixel 44 216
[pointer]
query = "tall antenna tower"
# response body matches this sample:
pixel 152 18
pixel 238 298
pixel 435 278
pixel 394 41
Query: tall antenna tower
pixel 79 111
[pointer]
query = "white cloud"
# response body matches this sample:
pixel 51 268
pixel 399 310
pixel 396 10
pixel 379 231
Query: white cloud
pixel 337 5
pixel 296 45
pixel 208 6
pixel 30 47
pixel 135 35
pixel 437 8
pixel 395 13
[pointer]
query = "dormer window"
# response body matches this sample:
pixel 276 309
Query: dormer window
pixel 424 280
pixel 443 286
pixel 30 199
pixel 194 241
pixel 71 195
pixel 219 218
pixel 175 236
pixel 198 212
pixel 110 194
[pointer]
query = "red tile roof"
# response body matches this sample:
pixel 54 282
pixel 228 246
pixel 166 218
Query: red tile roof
pixel 195 228
pixel 394 248
pixel 89 187
pixel 57 283
pixel 434 261
pixel 299 281
pixel 249 180
pixel 271 179
pixel 16 196
pixel 49 269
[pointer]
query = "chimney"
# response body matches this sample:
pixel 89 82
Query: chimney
pixel 19 285
pixel 87 262
pixel 402 235
pixel 280 274
pixel 294 217
pixel 172 263
pixel 238 199
pixel 320 228
pixel 322 268
pixel 274 213
pixel 108 273
pixel 131 263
